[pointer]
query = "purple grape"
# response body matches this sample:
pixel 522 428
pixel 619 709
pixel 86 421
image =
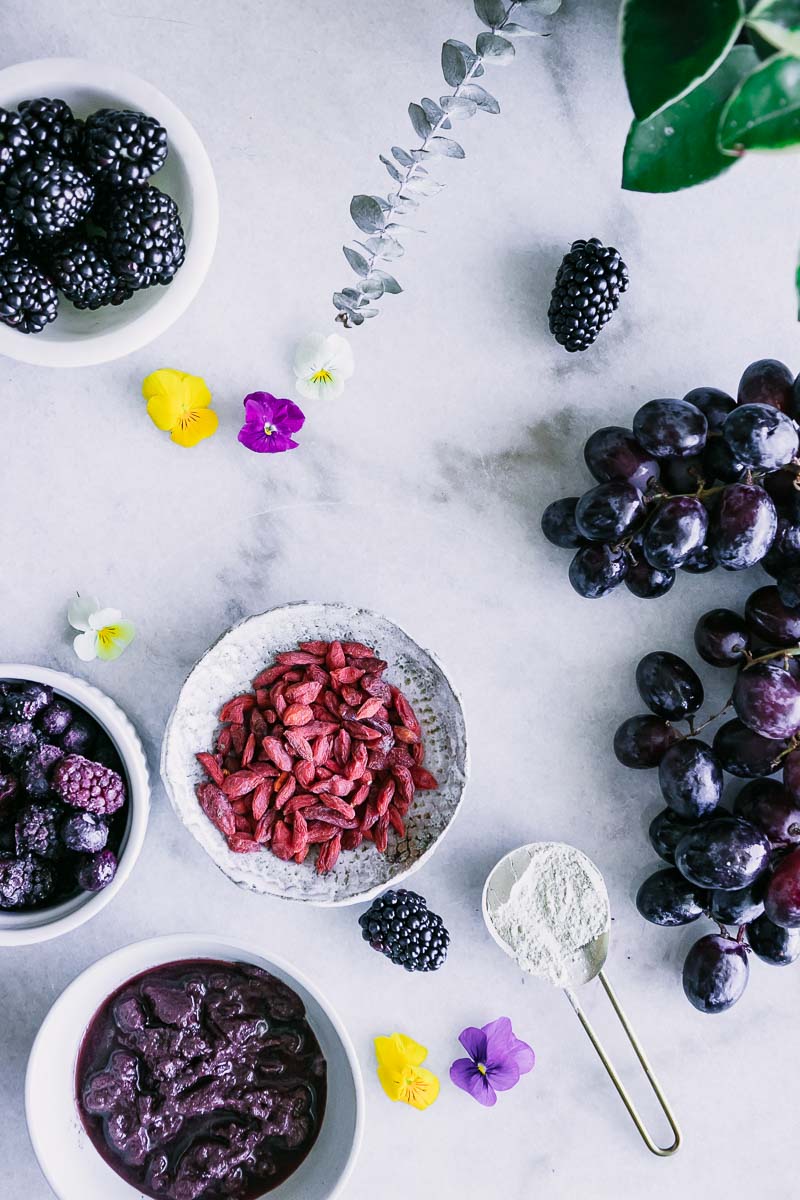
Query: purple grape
pixel 680 475
pixel 558 524
pixel 720 463
pixel 727 853
pixel 646 582
pixel 677 529
pixel 746 754
pixel 613 455
pixel 774 945
pixel 721 637
pixel 667 829
pixel 700 562
pixel 609 511
pixel 670 428
pixel 781 486
pixel 713 404
pixel 597 570
pixel 690 779
pixel 785 549
pixel 666 898
pixel 668 685
pixel 771 808
pixel 743 526
pixel 760 436
pixel 768 381
pixel 788 585
pixel 791 774
pixel 782 900
pixel 767 699
pixel 715 973
pixel 640 742
pixel 767 616
pixel 738 907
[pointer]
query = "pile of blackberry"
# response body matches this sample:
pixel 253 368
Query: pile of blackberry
pixel 400 925
pixel 78 213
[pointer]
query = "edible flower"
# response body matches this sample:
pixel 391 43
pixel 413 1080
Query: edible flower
pixel 496 1060
pixel 322 364
pixel 180 403
pixel 400 1072
pixel 269 423
pixel 103 635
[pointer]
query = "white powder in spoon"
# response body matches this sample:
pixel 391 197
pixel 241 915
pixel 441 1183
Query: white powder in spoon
pixel 556 907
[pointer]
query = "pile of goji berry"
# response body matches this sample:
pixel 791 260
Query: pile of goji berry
pixel 322 752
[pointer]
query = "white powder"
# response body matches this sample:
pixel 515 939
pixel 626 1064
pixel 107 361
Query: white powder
pixel 556 907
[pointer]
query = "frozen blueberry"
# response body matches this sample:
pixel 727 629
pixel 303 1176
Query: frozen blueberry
pixel 37 830
pixel 97 870
pixel 16 737
pixel 84 832
pixel 28 701
pixel 78 737
pixel 54 719
pixel 36 769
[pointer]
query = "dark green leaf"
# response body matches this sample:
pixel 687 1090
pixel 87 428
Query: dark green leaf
pixel 764 111
pixel 470 57
pixel 491 12
pixel 447 147
pixel 402 156
pixel 390 284
pixel 351 294
pixel 422 125
pixel 482 98
pixel 667 48
pixel 434 113
pixel 779 22
pixel 356 318
pixel 391 168
pixel 367 213
pixel 459 107
pixel 544 8
pixel 497 49
pixel 677 147
pixel 356 260
pixel 454 68
pixel 341 302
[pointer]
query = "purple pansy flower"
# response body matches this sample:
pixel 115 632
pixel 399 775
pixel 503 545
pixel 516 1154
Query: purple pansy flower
pixel 268 423
pixel 496 1061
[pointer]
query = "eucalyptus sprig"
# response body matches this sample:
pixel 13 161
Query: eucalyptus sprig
pixel 377 216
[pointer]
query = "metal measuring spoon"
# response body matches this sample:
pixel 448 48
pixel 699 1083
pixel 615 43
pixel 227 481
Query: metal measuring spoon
pixel 584 966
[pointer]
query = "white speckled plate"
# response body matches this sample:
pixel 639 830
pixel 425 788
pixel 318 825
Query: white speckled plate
pixel 227 670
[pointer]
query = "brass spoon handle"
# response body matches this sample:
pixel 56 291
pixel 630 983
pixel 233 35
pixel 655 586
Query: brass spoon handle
pixel 662 1151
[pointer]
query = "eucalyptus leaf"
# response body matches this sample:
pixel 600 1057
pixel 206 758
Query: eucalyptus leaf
pixel 434 113
pixel 402 156
pixel 422 126
pixel 513 30
pixel 367 213
pixel 778 21
pixel 384 204
pixel 351 294
pixel 341 302
pixel 459 107
pixel 677 147
pixel 391 168
pixel 668 48
pixel 764 111
pixel 356 260
pixel 422 187
pixel 474 67
pixel 446 147
pixel 372 287
pixel 491 12
pixel 496 49
pixel 356 318
pixel 369 312
pixel 484 100
pixel 542 8
pixel 405 204
pixel 388 247
pixel 454 66
pixel 419 156
pixel 390 284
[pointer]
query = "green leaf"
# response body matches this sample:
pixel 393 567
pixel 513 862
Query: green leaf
pixel 356 260
pixel 778 21
pixel 491 12
pixel 496 49
pixel 434 113
pixel 402 156
pixel 669 47
pixel 367 213
pixel 422 126
pixel 447 147
pixel 544 8
pixel 469 55
pixel 484 100
pixel 677 147
pixel 459 107
pixel 454 68
pixel 390 284
pixel 764 111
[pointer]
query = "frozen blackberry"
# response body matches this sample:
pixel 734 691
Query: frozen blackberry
pixel 8 233
pixel 124 148
pixel 47 196
pixel 97 870
pixel 28 300
pixel 31 698
pixel 24 881
pixel 145 236
pixel 36 768
pixel 399 925
pixel 588 286
pixel 36 830
pixel 84 784
pixel 78 738
pixel 9 787
pixel 55 718
pixel 85 276
pixel 15 142
pixel 84 832
pixel 52 126
pixel 15 738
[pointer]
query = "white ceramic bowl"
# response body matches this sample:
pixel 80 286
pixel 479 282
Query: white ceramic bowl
pixel 80 339
pixel 39 925
pixel 71 1164
pixel 228 668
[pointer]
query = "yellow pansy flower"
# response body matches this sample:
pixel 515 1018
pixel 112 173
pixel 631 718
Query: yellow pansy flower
pixel 400 1072
pixel 180 403
pixel 103 632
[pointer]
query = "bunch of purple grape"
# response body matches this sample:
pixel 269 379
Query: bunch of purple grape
pixel 741 868
pixel 694 484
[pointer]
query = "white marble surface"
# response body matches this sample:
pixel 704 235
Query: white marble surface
pixel 418 494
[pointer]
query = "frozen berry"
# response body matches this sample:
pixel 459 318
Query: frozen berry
pixel 24 881
pixel 15 737
pixel 37 767
pixel 78 737
pixel 37 830
pixel 9 787
pixel 89 785
pixel 97 871
pixel 42 881
pixel 54 719
pixel 28 701
pixel 84 832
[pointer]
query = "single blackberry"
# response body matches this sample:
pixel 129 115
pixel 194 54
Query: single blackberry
pixel 47 196
pixel 145 237
pixel 15 142
pixel 588 286
pixel 28 300
pixel 8 233
pixel 24 881
pixel 86 277
pixel 36 830
pixel 399 925
pixel 124 148
pixel 27 701
pixel 84 784
pixel 16 737
pixel 53 127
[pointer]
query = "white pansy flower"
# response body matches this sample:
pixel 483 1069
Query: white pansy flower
pixel 322 364
pixel 103 633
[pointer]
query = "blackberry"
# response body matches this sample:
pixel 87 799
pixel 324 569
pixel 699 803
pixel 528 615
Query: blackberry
pixel 47 196
pixel 84 784
pixel 28 300
pixel 399 925
pixel 15 736
pixel 24 881
pixel 86 277
pixel 52 127
pixel 30 699
pixel 124 148
pixel 145 237
pixel 588 286
pixel 37 830
pixel 8 233
pixel 15 142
